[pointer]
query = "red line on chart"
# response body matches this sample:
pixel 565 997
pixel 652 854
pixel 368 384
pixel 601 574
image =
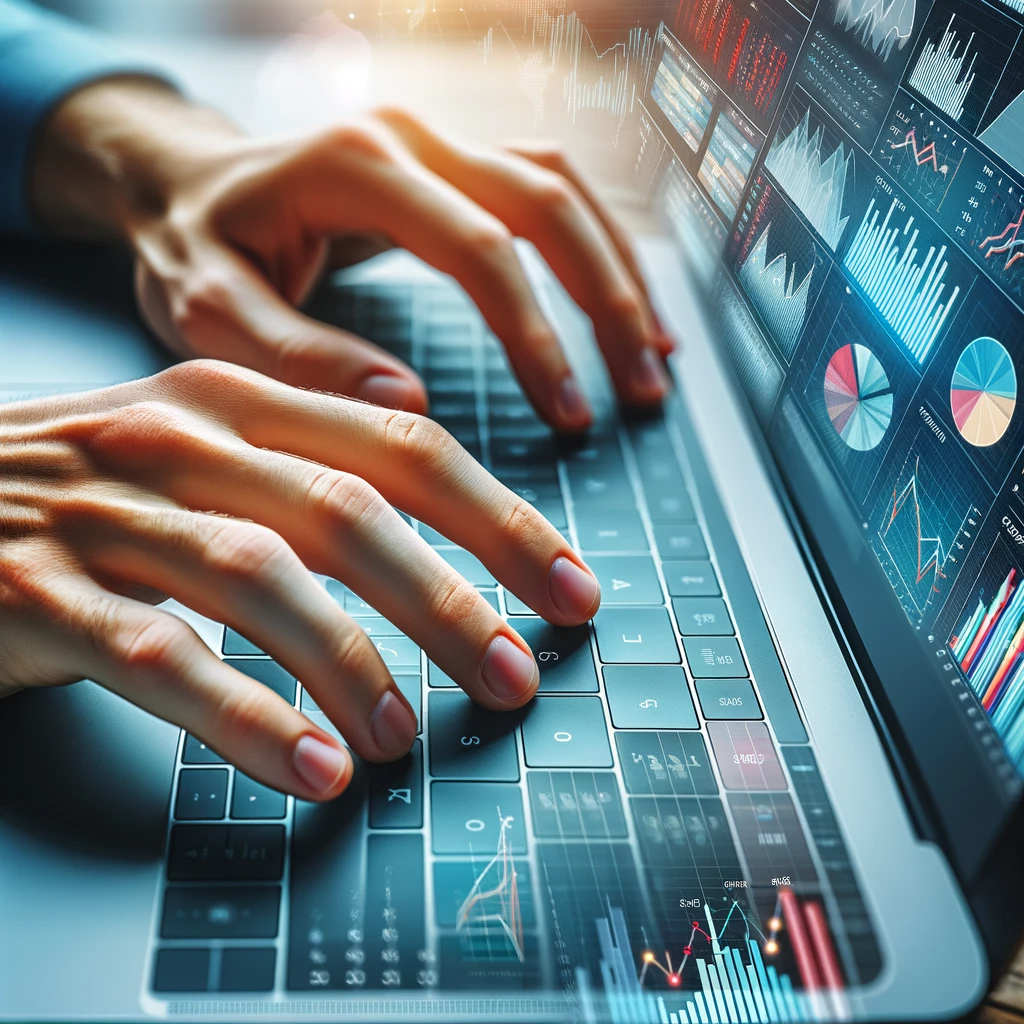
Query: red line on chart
pixel 1013 242
pixel 922 156
pixel 899 499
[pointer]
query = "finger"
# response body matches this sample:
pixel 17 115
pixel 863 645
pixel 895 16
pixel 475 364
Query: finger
pixel 553 157
pixel 247 577
pixel 228 310
pixel 159 663
pixel 338 525
pixel 386 190
pixel 410 460
pixel 545 208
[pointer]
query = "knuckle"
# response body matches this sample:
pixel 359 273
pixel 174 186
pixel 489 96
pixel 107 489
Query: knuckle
pixel 625 304
pixel 356 138
pixel 244 715
pixel 246 552
pixel 553 194
pixel 453 604
pixel 346 499
pixel 202 299
pixel 419 441
pixel 204 380
pixel 353 658
pixel 491 241
pixel 152 646
pixel 142 424
pixel 519 520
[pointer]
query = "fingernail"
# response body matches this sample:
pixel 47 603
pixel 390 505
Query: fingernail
pixel 319 764
pixel 649 375
pixel 392 726
pixel 571 406
pixel 391 392
pixel 508 671
pixel 573 591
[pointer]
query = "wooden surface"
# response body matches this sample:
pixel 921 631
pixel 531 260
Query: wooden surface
pixel 1005 1003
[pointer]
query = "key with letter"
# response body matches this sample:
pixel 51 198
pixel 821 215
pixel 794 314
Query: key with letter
pixel 470 742
pixel 641 635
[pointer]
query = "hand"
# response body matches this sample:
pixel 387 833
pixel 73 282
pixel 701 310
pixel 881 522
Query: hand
pixel 231 233
pixel 98 494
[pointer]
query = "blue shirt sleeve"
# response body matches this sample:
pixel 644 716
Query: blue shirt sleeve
pixel 43 57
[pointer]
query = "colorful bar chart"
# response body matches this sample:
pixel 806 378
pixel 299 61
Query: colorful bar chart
pixel 885 260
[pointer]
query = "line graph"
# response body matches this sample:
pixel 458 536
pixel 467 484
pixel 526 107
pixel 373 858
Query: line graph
pixel 908 292
pixel 815 183
pixel 922 154
pixel 494 897
pixel 942 72
pixel 879 25
pixel 735 981
pixel 926 517
pixel 1008 243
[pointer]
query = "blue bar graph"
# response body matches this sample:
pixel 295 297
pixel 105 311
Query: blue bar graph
pixel 884 258
pixel 736 986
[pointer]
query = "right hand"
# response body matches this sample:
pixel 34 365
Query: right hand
pixel 99 495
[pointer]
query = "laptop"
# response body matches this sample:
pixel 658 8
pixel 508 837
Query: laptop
pixel 778 777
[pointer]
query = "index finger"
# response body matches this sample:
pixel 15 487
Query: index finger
pixel 418 467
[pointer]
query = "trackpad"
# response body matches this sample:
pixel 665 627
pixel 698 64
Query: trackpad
pixel 82 769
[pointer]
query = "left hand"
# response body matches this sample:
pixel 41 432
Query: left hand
pixel 231 233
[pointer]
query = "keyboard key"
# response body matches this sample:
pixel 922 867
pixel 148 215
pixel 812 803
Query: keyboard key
pixel 683 540
pixel 202 794
pixel 598 492
pixel 746 756
pixel 337 590
pixel 469 566
pixel 357 607
pixel 491 597
pixel 467 741
pixel 714 657
pixel 669 504
pixel 221 913
pixel 455 881
pixel 691 579
pixel 613 531
pixel 665 762
pixel 566 732
pixel 377 626
pixel 772 839
pixel 435 677
pixel 247 970
pixel 432 537
pixel 626 579
pixel 396 791
pixel 398 652
pixel 728 698
pixel 466 817
pixel 252 799
pixel 182 970
pixel 235 643
pixel 687 841
pixel 640 635
pixel 226 853
pixel 197 752
pixel 576 805
pixel 554 513
pixel 649 697
pixel 267 672
pixel 515 606
pixel 563 655
pixel 702 616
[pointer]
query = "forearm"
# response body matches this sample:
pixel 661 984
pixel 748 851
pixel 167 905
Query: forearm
pixel 109 156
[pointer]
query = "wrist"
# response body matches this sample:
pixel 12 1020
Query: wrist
pixel 112 155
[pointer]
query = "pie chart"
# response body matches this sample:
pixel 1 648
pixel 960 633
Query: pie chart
pixel 983 392
pixel 858 397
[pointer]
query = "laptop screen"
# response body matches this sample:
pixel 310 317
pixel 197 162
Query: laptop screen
pixel 854 170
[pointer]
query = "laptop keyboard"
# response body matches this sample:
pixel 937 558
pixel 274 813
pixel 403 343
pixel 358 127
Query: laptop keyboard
pixel 651 773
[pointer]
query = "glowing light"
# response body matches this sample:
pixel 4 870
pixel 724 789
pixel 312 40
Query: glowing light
pixel 648 957
pixel 775 924
pixel 674 980
pixel 771 947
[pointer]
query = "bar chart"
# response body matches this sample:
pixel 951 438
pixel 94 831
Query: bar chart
pixel 908 287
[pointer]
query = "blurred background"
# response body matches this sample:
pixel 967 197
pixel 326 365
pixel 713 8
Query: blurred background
pixel 493 69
